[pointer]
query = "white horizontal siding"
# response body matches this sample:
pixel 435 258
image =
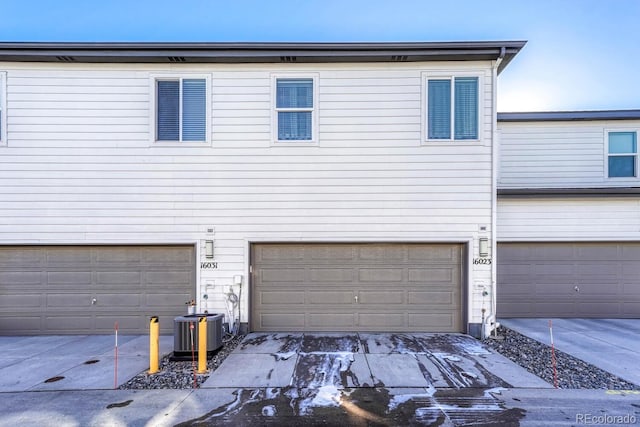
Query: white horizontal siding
pixel 557 154
pixel 80 168
pixel 580 219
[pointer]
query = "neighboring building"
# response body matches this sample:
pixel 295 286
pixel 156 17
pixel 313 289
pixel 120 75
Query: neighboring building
pixel 347 187
pixel 569 214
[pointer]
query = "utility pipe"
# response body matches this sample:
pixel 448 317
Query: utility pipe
pixel 491 318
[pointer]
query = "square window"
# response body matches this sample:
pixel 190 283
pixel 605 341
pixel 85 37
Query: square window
pixel 181 109
pixel 622 154
pixel 295 109
pixel 452 108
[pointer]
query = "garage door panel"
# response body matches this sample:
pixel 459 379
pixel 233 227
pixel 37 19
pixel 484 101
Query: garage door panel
pixel 19 278
pixel 382 253
pixel 281 321
pixel 281 275
pixel 64 323
pixel 434 322
pixel 118 255
pixel 328 252
pixel 118 278
pixel 387 320
pixel 126 324
pixel 273 298
pixel 72 301
pixel 68 256
pixel 11 255
pixel 330 297
pixel 378 275
pixel 434 298
pixel 69 279
pixel 167 278
pixel 329 321
pixel 381 297
pixel 607 274
pixel 450 275
pixel 333 275
pixel 390 281
pixel 443 253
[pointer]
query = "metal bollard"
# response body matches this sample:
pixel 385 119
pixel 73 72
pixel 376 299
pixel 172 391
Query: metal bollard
pixel 154 345
pixel 202 345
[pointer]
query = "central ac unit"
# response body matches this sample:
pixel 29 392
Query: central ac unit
pixel 185 326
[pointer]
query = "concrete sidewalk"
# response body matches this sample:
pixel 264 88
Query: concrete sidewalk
pixel 73 362
pixel 610 344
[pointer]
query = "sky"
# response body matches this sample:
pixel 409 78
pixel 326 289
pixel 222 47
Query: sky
pixel 580 54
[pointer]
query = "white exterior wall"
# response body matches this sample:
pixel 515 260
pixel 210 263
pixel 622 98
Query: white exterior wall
pixel 80 166
pixel 569 219
pixel 558 154
pixel 563 155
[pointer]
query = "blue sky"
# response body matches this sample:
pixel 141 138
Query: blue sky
pixel 581 54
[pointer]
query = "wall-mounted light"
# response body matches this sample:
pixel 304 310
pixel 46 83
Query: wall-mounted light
pixel 483 246
pixel 208 248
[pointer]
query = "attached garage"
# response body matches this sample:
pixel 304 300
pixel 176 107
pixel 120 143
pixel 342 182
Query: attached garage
pixel 86 289
pixel 357 287
pixel 596 280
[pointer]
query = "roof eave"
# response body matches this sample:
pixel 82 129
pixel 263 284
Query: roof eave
pixel 257 52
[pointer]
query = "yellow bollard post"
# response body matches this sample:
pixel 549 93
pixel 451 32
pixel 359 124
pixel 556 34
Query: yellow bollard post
pixel 154 345
pixel 202 345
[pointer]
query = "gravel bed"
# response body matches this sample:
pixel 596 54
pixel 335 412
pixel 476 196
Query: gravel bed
pixel 535 357
pixel 179 375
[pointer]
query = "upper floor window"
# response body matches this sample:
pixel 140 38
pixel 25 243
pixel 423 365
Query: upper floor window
pixel 295 109
pixel 181 109
pixel 3 108
pixel 452 108
pixel 622 154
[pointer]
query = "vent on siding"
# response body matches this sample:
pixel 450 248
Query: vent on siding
pixel 399 58
pixel 288 59
pixel 177 59
pixel 65 58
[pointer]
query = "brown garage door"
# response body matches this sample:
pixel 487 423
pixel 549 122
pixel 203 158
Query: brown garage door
pixel 598 280
pixel 357 287
pixel 86 289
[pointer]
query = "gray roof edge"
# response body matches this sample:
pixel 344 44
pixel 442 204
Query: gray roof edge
pixel 587 115
pixel 512 44
pixel 259 52
pixel 570 192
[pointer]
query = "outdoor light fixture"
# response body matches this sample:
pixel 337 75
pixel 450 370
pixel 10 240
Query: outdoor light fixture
pixel 208 248
pixel 483 246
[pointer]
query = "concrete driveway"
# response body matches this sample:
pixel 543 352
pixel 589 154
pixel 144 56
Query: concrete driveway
pixel 612 345
pixel 72 362
pixel 293 380
pixel 393 379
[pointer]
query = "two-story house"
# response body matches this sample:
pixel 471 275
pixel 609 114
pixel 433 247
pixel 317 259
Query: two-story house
pixel 569 214
pixel 289 186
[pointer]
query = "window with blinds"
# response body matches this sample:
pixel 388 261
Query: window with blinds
pixel 294 105
pixel 3 108
pixel 452 108
pixel 622 155
pixel 181 110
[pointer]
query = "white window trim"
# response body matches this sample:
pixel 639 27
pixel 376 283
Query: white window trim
pixel 3 108
pixel 606 154
pixel 450 75
pixel 153 78
pixel 314 141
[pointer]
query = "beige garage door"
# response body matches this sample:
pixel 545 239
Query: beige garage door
pixel 357 287
pixel 86 289
pixel 598 280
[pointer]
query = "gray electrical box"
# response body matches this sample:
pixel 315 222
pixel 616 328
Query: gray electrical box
pixel 182 346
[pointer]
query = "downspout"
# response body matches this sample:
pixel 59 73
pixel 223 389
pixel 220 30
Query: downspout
pixel 491 319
